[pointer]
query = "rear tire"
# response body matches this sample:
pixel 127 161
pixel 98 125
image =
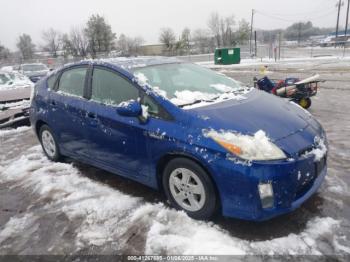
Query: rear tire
pixel 188 187
pixel 49 143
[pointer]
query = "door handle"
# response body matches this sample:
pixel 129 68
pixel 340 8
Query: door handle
pixel 53 103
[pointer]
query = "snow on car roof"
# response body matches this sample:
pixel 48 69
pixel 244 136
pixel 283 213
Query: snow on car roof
pixel 133 62
pixel 32 64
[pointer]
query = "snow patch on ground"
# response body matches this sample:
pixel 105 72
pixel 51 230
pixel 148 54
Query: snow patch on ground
pixel 6 132
pixel 105 214
pixel 101 208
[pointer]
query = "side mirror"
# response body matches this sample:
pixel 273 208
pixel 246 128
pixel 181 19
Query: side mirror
pixel 51 69
pixel 130 108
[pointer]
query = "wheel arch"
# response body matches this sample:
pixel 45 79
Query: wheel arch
pixel 38 125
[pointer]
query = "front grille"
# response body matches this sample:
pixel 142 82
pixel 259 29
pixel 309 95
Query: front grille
pixel 309 182
pixel 304 151
pixel 320 165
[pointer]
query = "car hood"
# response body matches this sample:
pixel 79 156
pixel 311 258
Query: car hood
pixel 277 117
pixel 16 94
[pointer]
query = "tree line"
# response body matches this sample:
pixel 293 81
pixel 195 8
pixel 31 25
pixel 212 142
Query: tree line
pixel 97 37
pixel 220 31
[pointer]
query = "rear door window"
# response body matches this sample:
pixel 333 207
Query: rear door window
pixel 111 89
pixel 72 81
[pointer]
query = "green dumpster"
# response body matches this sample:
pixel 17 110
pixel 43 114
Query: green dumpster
pixel 227 56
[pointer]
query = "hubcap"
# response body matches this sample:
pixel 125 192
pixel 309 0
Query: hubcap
pixel 48 143
pixel 187 189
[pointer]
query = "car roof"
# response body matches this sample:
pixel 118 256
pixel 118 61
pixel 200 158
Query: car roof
pixel 33 64
pixel 128 63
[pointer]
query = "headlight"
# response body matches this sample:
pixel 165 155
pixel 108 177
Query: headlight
pixel 257 147
pixel 32 92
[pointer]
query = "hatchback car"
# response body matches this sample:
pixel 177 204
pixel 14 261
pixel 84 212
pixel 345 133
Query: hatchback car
pixel 34 71
pixel 211 144
pixel 15 92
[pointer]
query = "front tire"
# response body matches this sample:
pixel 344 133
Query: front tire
pixel 49 143
pixel 188 187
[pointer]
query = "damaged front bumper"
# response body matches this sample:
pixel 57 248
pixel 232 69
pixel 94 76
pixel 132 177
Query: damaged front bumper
pixel 14 117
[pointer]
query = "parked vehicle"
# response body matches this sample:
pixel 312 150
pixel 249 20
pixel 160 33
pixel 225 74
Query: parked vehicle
pixel 15 92
pixel 209 143
pixel 298 91
pixel 34 71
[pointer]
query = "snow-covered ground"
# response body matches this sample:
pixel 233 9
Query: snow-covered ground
pixel 63 208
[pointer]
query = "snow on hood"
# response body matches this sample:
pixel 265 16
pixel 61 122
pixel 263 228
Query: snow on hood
pixel 255 147
pixel 318 152
pixel 188 97
pixel 14 81
pixel 103 215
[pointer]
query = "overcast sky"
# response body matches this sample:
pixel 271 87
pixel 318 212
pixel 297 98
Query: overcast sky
pixel 145 17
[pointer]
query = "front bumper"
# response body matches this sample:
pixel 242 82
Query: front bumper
pixel 293 183
pixel 14 117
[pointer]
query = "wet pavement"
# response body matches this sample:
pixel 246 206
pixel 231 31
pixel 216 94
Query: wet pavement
pixel 64 208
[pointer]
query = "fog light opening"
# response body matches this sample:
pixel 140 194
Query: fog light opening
pixel 266 195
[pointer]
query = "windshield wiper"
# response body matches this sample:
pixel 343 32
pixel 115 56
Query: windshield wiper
pixel 197 102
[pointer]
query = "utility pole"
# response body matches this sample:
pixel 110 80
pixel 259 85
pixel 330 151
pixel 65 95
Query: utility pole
pixel 251 33
pixel 337 28
pixel 346 27
pixel 299 33
pixel 256 46
pixel 347 19
pixel 279 45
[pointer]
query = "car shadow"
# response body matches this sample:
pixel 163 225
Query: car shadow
pixel 292 223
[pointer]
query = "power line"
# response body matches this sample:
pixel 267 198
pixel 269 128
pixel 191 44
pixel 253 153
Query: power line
pixel 296 19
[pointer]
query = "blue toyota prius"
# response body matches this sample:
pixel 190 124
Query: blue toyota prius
pixel 209 143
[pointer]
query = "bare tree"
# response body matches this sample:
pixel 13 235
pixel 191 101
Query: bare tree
pixel 129 45
pixel 186 37
pixel 222 28
pixel 214 26
pixel 25 46
pixel 202 40
pixel 226 28
pixel 79 42
pixel 243 32
pixel 75 43
pixel 167 37
pixel 4 52
pixel 66 45
pixel 51 38
pixel 122 45
pixel 137 43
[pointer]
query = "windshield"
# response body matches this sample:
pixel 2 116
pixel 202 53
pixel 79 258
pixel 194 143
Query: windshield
pixel 4 78
pixel 36 67
pixel 183 78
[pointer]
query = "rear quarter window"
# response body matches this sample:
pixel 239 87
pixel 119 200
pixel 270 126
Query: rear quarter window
pixel 72 81
pixel 51 81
